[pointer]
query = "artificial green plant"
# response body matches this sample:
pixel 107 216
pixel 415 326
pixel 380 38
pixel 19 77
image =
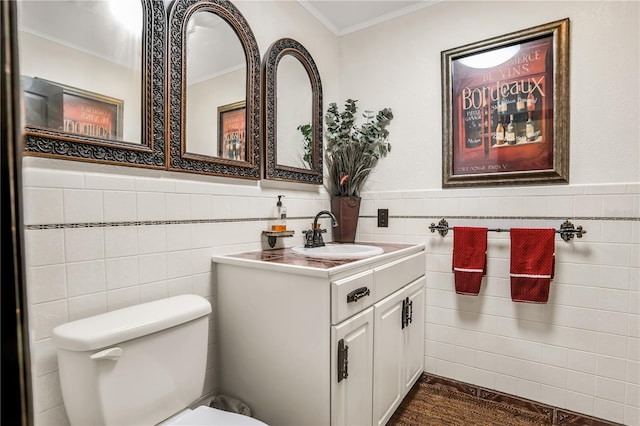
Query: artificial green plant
pixel 353 150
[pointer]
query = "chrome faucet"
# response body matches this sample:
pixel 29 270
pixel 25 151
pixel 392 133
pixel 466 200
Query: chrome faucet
pixel 314 236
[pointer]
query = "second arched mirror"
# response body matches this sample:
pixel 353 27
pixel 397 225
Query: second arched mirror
pixel 214 90
pixel 293 114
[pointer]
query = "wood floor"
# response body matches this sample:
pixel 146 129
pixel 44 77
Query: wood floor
pixel 439 401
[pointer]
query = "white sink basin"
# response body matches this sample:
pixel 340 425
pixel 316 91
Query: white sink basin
pixel 339 251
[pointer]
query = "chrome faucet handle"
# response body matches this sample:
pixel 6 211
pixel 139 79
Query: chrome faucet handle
pixel 317 240
pixel 308 237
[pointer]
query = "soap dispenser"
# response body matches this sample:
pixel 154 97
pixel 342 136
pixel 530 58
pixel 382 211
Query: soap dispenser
pixel 280 214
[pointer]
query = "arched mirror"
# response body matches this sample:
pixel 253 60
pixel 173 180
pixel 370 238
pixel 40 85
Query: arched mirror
pixel 214 90
pixel 93 80
pixel 293 114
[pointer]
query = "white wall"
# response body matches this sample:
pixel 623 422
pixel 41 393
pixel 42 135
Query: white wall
pixel 581 351
pixel 397 64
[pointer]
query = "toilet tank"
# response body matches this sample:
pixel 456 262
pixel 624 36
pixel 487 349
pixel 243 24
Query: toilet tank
pixel 134 366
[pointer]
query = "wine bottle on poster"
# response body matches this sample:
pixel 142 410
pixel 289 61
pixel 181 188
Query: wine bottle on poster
pixel 510 133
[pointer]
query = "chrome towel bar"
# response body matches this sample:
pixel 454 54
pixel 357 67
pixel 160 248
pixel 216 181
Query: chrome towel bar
pixel 567 231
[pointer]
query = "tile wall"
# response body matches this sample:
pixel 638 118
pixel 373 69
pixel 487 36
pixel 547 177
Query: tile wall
pixel 99 241
pixel 581 350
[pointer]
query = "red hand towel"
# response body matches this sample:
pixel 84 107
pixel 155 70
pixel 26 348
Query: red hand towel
pixel 469 258
pixel 532 264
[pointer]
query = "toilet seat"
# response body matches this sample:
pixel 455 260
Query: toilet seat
pixel 208 416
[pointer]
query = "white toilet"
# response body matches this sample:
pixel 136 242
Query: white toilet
pixel 141 365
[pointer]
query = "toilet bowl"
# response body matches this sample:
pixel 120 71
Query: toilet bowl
pixel 204 415
pixel 141 365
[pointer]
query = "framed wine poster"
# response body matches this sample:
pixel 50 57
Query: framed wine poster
pixel 505 112
pixel 231 131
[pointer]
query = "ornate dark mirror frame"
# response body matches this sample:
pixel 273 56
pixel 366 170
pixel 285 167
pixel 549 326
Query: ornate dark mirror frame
pixel 273 170
pixel 151 152
pixel 179 159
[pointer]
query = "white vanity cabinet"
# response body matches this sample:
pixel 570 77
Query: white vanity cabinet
pixel 306 344
pixel 398 348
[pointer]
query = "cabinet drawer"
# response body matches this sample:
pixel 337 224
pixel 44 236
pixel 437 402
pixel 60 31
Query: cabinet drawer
pixel 351 295
pixel 392 276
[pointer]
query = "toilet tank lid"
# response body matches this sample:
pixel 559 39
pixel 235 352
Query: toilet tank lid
pixel 129 323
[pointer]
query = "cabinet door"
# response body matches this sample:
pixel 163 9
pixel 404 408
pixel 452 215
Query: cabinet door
pixel 414 334
pixel 388 383
pixel 351 392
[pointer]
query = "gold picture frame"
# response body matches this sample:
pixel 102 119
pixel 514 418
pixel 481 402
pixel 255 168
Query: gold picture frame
pixel 505 111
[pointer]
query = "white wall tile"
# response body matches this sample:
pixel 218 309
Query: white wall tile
pixel 153 291
pixel 84 244
pixel 201 206
pixel 612 390
pixel 154 184
pixel 44 357
pixel 612 322
pixel 581 361
pixel 554 355
pixel 85 277
pixel 203 235
pixel 240 207
pixel 178 286
pixel 151 206
pixel 44 317
pixel 44 247
pixel 122 272
pixel 632 395
pixel 82 206
pixel 617 206
pixel 87 306
pixel 203 284
pixel 588 205
pixel 612 345
pixel 610 367
pixel 122 298
pixel 42 206
pixel 579 402
pixel 109 182
pixel 631 415
pixel 49 178
pixel 152 239
pixel 120 206
pixel 46 283
pixel 178 237
pixel 613 300
pixel 606 409
pixel 615 277
pixel 179 264
pixel 221 207
pixel 47 392
pixel 153 267
pixel 120 241
pixel 581 382
pixel 178 206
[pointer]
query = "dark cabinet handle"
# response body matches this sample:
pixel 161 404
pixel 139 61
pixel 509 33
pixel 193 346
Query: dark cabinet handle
pixel 358 294
pixel 343 360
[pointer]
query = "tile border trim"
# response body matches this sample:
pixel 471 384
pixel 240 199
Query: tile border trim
pixel 264 219
pixel 557 416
